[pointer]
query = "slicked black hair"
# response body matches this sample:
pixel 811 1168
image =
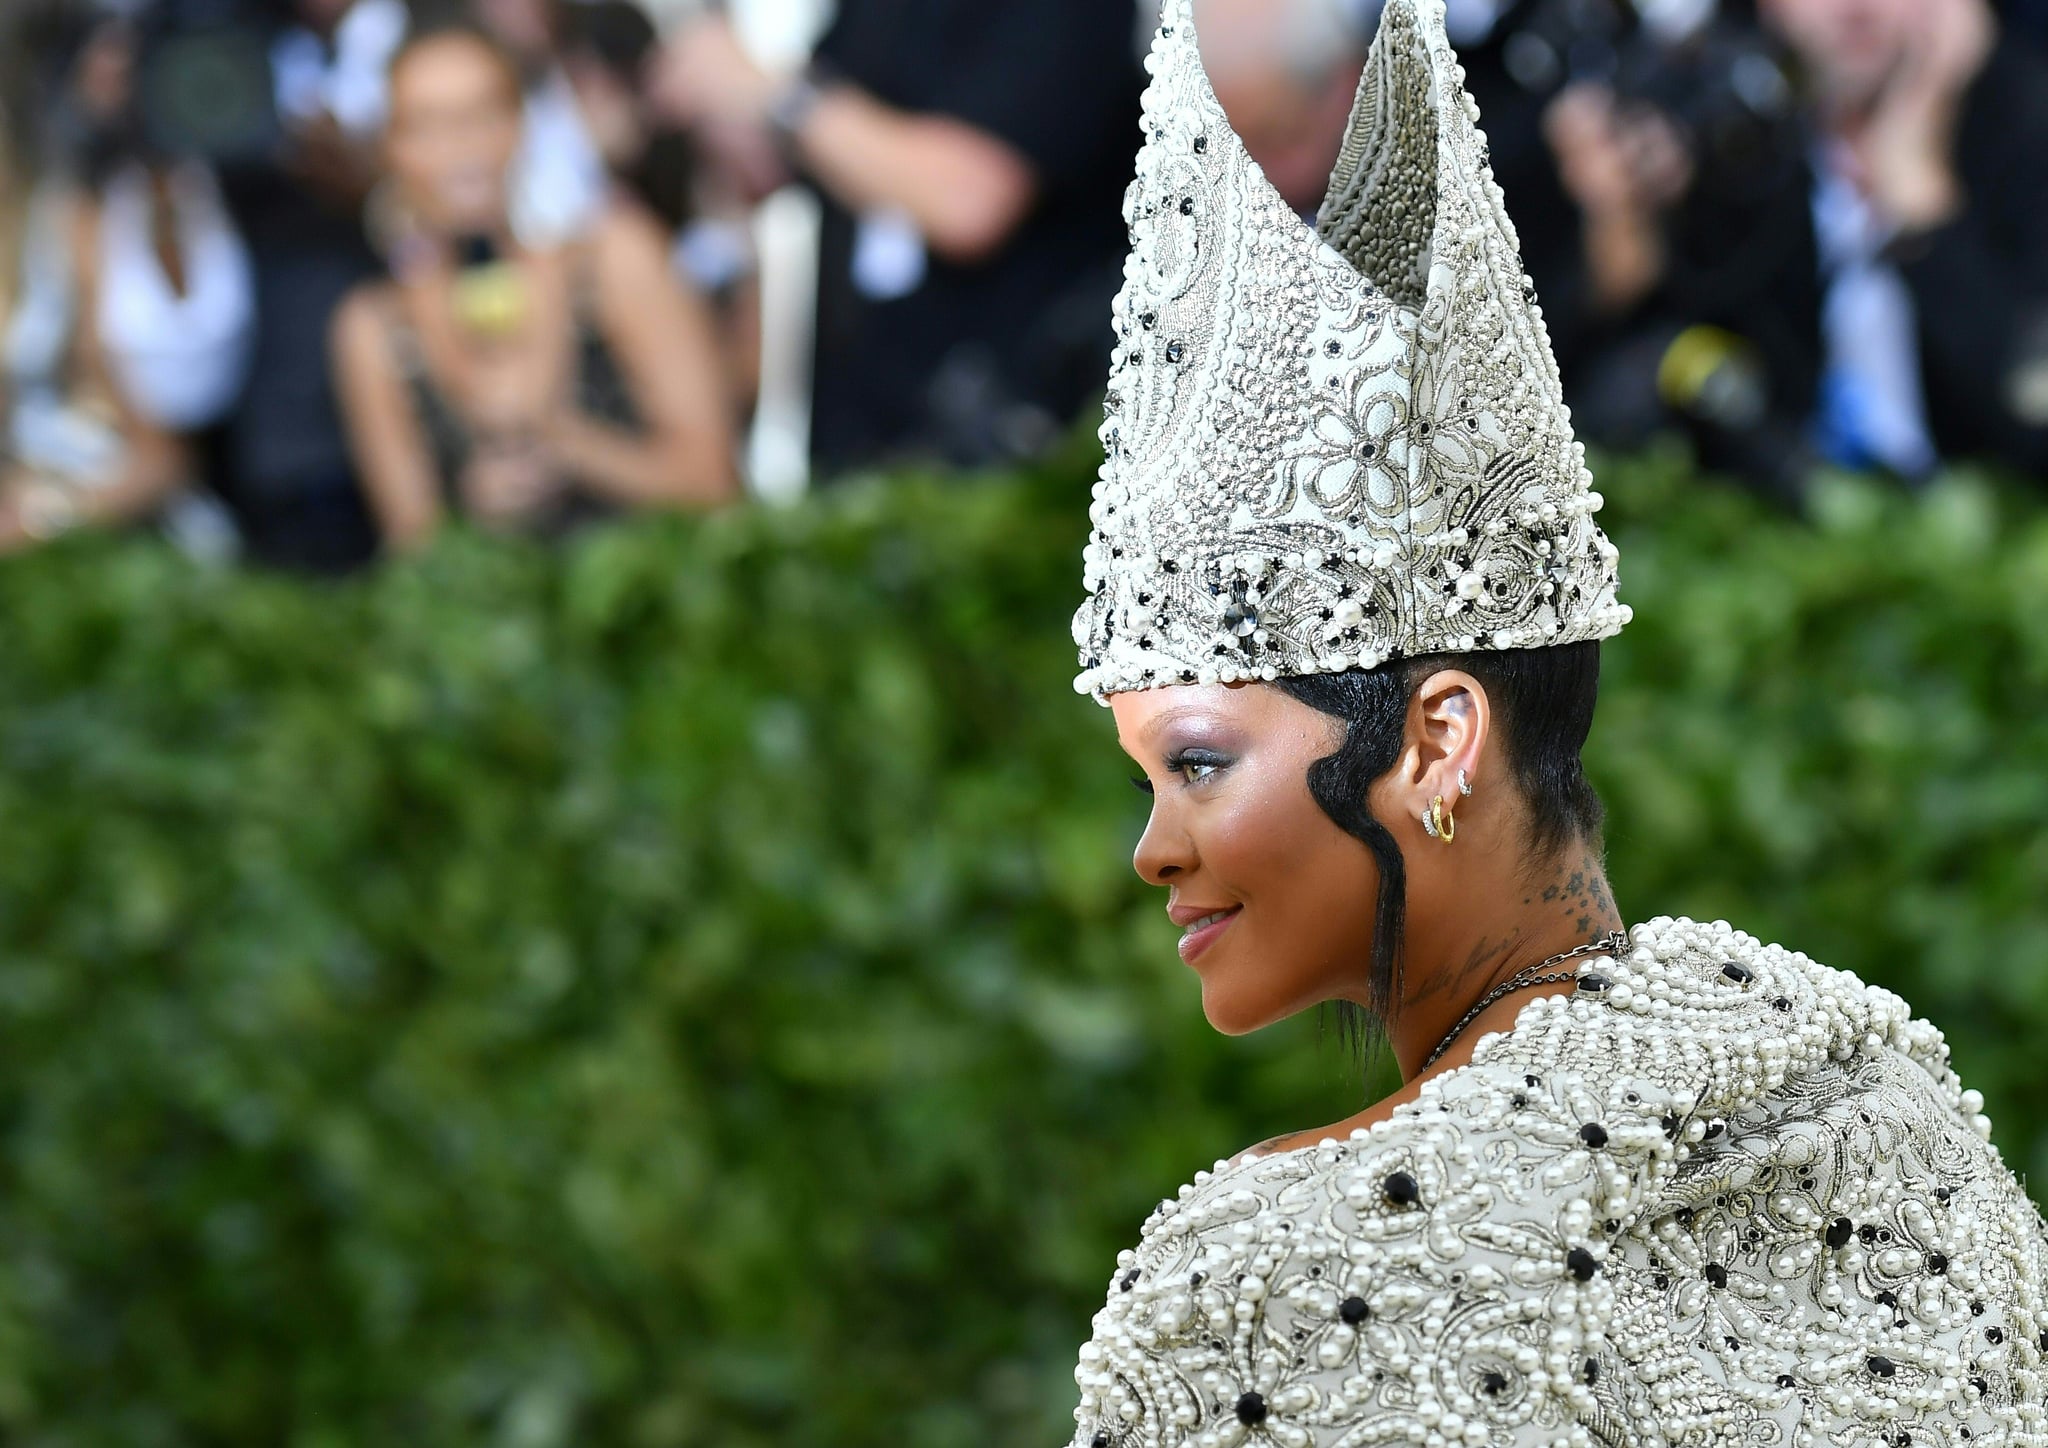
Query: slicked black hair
pixel 1543 701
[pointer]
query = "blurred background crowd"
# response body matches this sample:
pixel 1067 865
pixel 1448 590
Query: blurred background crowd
pixel 297 280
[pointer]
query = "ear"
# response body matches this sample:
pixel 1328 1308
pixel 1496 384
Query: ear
pixel 1449 722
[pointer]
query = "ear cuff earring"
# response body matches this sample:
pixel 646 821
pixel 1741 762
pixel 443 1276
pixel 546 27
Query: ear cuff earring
pixel 1437 822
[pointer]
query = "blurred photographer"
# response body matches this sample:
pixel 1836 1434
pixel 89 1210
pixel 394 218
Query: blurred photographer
pixel 133 304
pixel 1933 230
pixel 971 156
pixel 1652 158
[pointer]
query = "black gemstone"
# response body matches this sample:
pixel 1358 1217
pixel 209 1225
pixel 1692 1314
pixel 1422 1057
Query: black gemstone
pixel 1201 144
pixel 1881 1365
pixel 1867 1232
pixel 1592 1372
pixel 1661 1281
pixel 1130 1279
pixel 1401 1189
pixel 1532 1081
pixel 1717 1275
pixel 1784 1380
pixel 1976 1309
pixel 1839 1232
pixel 1100 1440
pixel 1187 206
pixel 1251 1410
pixel 1994 1334
pixel 1980 1385
pixel 1175 351
pixel 1937 1262
pixel 1942 1194
pixel 2044 1342
pixel 1581 1263
pixel 1520 1101
pixel 1333 347
pixel 1593 1134
pixel 1738 973
pixel 1671 1125
pixel 1887 1299
pixel 1593 982
pixel 1354 1310
pixel 1494 1382
pixel 1781 1003
pixel 1148 319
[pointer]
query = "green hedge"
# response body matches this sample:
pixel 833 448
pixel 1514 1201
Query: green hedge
pixel 690 990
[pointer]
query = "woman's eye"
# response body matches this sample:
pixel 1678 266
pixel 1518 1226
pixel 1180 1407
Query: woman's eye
pixel 1193 768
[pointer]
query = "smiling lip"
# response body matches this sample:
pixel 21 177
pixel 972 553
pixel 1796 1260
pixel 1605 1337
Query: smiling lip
pixel 1200 933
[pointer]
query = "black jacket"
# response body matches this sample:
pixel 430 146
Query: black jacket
pixel 1980 282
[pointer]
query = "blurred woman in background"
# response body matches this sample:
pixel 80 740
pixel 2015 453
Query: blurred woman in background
pixel 132 303
pixel 524 386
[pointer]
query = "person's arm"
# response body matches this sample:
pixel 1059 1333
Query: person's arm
pixel 663 343
pixel 35 507
pixel 153 462
pixel 390 451
pixel 964 188
pixel 1623 170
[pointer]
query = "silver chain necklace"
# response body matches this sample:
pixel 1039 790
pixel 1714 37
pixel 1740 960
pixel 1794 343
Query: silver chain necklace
pixel 1612 943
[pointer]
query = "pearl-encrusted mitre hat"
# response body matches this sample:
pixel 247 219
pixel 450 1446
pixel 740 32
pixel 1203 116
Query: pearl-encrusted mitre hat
pixel 1326 449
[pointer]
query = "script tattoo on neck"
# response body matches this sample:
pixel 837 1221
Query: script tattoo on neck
pixel 1580 892
pixel 1481 963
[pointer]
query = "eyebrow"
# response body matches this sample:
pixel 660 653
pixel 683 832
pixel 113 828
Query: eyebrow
pixel 1163 721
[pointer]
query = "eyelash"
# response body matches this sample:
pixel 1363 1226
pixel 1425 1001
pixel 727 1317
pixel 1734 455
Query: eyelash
pixel 1180 764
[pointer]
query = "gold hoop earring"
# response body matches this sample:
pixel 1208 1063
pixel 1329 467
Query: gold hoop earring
pixel 1439 823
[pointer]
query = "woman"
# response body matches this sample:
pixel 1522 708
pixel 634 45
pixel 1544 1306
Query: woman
pixel 524 388
pixel 1659 1186
pixel 130 326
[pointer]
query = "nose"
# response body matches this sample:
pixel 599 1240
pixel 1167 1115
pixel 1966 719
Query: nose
pixel 1164 853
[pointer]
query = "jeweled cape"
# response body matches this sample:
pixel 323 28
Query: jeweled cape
pixel 1721 1194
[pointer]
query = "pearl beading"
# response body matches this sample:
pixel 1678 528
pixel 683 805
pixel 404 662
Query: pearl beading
pixel 1721 1194
pixel 1306 472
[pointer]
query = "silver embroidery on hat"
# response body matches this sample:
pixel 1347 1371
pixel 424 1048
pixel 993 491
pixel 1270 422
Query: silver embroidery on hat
pixel 1306 472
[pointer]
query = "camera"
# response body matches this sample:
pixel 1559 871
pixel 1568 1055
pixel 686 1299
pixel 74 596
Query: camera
pixel 1718 80
pixel 205 88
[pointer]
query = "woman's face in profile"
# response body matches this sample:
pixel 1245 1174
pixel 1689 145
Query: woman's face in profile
pixel 455 127
pixel 1275 901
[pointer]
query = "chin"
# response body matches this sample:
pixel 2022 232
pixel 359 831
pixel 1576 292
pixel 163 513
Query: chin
pixel 1234 1011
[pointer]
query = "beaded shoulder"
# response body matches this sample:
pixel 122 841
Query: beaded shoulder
pixel 1628 1211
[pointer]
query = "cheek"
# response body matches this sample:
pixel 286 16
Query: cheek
pixel 1309 892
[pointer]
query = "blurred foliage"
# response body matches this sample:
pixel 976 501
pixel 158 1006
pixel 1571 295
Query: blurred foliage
pixel 690 990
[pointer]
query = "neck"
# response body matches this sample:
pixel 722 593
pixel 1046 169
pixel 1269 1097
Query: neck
pixel 1494 929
